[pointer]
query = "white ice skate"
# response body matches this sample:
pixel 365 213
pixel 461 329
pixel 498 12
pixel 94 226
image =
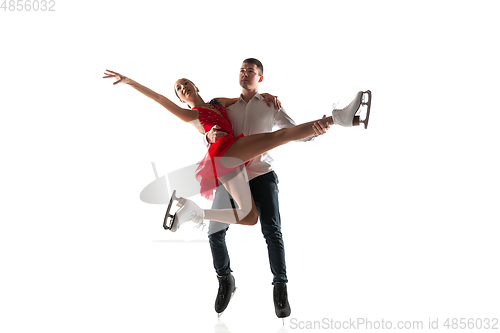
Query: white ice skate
pixel 189 212
pixel 349 115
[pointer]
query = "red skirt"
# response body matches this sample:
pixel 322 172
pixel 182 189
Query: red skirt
pixel 210 168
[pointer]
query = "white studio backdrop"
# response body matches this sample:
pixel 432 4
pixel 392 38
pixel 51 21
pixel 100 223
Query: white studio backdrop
pixel 397 222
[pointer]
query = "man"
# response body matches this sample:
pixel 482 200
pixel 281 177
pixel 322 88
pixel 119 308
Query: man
pixel 251 115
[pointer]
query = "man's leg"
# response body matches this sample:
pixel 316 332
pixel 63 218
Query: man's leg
pixel 265 193
pixel 220 255
pixel 217 234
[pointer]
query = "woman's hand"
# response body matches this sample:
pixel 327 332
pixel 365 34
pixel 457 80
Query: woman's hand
pixel 119 78
pixel 274 99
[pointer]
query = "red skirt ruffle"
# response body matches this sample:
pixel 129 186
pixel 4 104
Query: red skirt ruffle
pixel 210 168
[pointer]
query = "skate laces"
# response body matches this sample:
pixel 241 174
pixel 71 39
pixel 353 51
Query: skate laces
pixel 200 223
pixel 221 291
pixel 334 105
pixel 280 295
pixel 195 214
pixel 224 286
pixel 197 220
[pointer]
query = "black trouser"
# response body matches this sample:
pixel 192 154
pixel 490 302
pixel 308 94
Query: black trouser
pixel 265 194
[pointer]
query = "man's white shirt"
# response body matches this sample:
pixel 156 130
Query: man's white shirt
pixel 256 117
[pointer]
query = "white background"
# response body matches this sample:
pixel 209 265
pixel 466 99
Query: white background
pixel 397 222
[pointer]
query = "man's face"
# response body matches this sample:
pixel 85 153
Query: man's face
pixel 249 76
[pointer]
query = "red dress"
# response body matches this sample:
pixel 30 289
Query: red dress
pixel 210 168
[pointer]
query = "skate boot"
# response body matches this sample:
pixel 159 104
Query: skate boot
pixel 189 212
pixel 280 297
pixel 347 116
pixel 227 287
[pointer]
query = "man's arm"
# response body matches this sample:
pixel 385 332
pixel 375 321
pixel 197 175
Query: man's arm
pixel 213 135
pixel 268 98
pixel 227 101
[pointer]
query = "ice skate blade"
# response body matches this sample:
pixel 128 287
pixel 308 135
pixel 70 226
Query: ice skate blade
pixel 167 225
pixel 368 104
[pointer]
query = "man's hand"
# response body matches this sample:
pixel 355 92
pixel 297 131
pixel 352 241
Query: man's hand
pixel 215 134
pixel 319 128
pixel 272 99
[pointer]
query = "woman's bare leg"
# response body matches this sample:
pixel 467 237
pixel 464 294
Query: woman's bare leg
pixel 248 147
pixel 242 150
pixel 246 213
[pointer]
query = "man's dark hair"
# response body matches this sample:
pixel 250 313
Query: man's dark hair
pixel 256 62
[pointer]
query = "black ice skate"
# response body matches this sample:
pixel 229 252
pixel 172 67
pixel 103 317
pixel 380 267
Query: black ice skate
pixel 280 297
pixel 227 287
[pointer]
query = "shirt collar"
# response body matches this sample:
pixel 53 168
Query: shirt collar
pixel 257 95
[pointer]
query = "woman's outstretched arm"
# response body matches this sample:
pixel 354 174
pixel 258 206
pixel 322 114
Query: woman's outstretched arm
pixel 184 114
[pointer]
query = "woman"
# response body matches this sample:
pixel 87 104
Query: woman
pixel 225 157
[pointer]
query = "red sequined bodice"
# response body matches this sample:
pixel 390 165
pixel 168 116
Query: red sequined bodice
pixel 210 168
pixel 209 118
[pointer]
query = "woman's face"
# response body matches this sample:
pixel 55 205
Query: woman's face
pixel 185 90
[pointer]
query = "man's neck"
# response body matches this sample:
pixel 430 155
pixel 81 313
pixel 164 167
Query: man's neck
pixel 248 94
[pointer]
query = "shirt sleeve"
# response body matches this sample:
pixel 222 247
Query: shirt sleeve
pixel 283 120
pixel 205 140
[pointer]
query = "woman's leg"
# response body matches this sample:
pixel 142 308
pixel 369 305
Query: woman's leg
pixel 246 213
pixel 248 147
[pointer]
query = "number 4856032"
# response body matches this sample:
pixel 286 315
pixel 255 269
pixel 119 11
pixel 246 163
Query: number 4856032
pixel 28 5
